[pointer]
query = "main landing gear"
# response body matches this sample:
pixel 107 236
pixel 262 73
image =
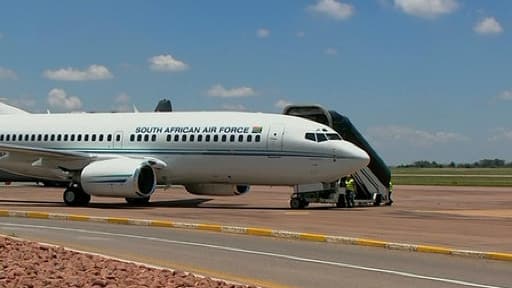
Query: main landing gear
pixel 74 195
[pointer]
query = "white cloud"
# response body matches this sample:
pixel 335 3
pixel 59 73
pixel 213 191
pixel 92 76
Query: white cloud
pixel 262 33
pixel 333 9
pixel 415 137
pixel 427 8
pixel 488 26
pixel 331 51
pixel 166 63
pixel 234 107
pixel 59 99
pixel 93 72
pixel 281 103
pixel 122 102
pixel 8 74
pixel 219 91
pixel 505 95
pixel 501 134
pixel 300 34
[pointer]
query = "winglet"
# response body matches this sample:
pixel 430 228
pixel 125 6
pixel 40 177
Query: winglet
pixel 7 109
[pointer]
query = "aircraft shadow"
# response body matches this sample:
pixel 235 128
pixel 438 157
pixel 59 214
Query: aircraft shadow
pixel 183 203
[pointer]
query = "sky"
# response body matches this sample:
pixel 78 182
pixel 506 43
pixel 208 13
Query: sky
pixel 421 79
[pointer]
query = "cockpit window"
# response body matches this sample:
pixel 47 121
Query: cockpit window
pixel 333 136
pixel 311 136
pixel 321 137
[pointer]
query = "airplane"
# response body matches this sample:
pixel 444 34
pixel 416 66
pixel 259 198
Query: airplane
pixel 211 153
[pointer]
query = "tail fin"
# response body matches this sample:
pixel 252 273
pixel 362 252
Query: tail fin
pixel 7 109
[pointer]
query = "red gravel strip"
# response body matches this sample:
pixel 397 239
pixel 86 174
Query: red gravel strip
pixel 30 264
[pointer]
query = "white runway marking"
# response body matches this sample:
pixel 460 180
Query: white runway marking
pixel 261 253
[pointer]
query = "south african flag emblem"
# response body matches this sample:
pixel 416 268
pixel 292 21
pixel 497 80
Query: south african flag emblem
pixel 257 129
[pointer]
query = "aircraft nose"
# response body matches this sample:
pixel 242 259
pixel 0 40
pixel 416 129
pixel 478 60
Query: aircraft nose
pixel 358 155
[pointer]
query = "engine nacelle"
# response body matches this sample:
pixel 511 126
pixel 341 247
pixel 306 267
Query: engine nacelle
pixel 132 178
pixel 217 189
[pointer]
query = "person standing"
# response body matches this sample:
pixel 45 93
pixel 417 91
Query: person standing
pixel 390 189
pixel 350 191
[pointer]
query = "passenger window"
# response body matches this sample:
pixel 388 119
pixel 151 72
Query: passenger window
pixel 65 137
pixel 52 137
pixel 72 137
pixel 207 138
pixel 240 138
pixel 199 137
pixel 118 138
pixel 93 137
pixel 45 137
pixel 249 138
pixel 176 138
pixel 86 137
pixel 27 137
pixel 146 137
pixel 79 137
pixel 215 138
pixel 1 137
pixel 232 138
pixel 101 138
pixel 333 136
pixel 321 137
pixel 169 136
pixel 184 138
pixel 13 137
pixel 109 137
pixel 59 137
pixel 132 138
pixel 32 137
pixel 224 137
pixel 153 137
pixel 192 138
pixel 139 137
pixel 257 138
pixel 310 136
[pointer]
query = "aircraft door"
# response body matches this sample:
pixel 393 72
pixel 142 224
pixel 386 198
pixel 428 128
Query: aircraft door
pixel 275 137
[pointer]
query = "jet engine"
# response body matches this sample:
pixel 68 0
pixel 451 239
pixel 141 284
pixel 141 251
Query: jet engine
pixel 217 189
pixel 132 178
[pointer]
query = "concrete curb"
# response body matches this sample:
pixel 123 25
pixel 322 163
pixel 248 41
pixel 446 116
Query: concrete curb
pixel 263 232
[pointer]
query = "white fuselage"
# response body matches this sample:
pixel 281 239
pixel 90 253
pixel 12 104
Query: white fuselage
pixel 197 147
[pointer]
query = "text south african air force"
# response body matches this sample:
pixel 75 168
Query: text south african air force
pixel 196 129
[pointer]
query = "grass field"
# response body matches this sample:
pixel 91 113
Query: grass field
pixel 452 176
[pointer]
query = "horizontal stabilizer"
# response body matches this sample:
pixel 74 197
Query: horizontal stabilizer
pixel 7 109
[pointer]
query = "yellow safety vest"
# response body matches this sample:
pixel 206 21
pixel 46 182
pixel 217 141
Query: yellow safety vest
pixel 349 184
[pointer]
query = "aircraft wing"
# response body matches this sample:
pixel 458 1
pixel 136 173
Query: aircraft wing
pixel 27 151
pixel 47 163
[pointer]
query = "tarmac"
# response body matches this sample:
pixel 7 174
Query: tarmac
pixel 263 261
pixel 463 218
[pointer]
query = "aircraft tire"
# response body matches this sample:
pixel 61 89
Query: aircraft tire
pixel 74 196
pixel 296 203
